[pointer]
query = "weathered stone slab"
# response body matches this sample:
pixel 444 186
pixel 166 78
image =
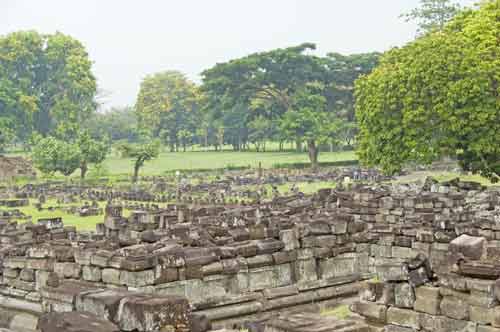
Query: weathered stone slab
pixel 75 321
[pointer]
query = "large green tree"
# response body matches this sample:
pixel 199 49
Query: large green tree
pixel 341 72
pixel 269 85
pixel 308 118
pixel 52 155
pixel 167 105
pixel 261 80
pixel 439 95
pixel 91 151
pixel 46 84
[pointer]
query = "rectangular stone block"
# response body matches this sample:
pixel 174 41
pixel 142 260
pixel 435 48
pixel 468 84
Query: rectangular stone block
pixel 403 317
pixel 427 300
pixel 370 310
pixel 455 308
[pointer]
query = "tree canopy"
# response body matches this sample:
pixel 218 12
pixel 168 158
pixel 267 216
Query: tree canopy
pixel 46 84
pixel 268 85
pixel 439 95
pixel 432 15
pixel 167 106
pixel 52 155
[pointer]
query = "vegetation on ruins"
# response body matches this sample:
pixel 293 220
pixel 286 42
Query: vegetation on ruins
pixel 439 95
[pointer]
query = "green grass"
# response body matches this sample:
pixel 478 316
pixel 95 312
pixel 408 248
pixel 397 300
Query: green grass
pixel 115 165
pixel 170 161
pixel 81 223
pixel 442 176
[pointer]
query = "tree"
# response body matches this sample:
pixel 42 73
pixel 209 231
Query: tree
pixel 46 84
pixel 341 71
pixel 91 152
pixel 168 102
pixel 267 79
pixel 308 119
pixel 265 85
pixel 7 134
pixel 51 155
pixel 260 131
pixel 117 123
pixel 439 95
pixel 140 153
pixel 432 15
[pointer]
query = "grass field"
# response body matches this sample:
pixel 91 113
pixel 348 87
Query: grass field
pixel 81 223
pixel 203 160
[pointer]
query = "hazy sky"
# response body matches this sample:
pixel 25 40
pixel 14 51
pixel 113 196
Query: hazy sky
pixel 128 39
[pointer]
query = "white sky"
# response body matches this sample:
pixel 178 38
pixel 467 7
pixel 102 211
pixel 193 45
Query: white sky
pixel 128 39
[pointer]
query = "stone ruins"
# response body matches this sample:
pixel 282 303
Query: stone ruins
pixel 402 257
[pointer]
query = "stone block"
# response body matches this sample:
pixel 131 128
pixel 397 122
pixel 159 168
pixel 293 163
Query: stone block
pixel 370 310
pixel 91 273
pixel 392 272
pixel 261 278
pixel 455 308
pixel 27 275
pixel 481 315
pixel 137 279
pixel 290 239
pixel 403 252
pixel 75 321
pixel 305 270
pixel 404 295
pixel 470 246
pixel 153 313
pixel 111 276
pixel 396 328
pixel 428 300
pixel 103 303
pixel 403 317
pixel 67 270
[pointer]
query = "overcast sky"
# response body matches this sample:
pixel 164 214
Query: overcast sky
pixel 128 39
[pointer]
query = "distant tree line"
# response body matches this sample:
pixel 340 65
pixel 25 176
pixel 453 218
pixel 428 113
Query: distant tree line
pixel 437 95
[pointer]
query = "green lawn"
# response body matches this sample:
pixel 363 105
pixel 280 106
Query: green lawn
pixel 189 160
pixel 169 161
pixel 442 176
pixel 81 223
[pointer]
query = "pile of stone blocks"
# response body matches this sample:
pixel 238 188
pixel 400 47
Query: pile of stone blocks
pixel 235 261
pixel 450 300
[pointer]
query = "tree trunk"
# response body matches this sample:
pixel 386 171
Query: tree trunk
pixel 136 173
pixel 313 152
pixel 83 170
pixel 298 145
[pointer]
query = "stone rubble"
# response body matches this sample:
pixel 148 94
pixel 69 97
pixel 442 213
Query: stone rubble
pixel 187 267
